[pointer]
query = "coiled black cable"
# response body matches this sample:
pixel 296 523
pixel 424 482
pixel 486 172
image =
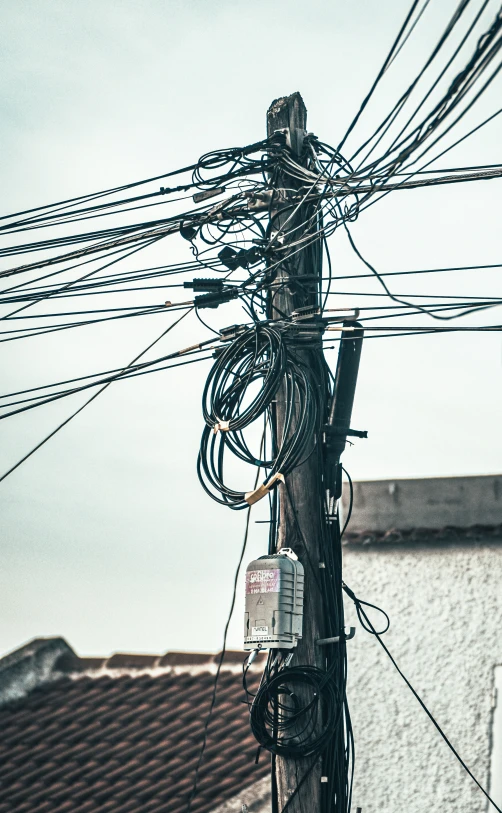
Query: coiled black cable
pixel 259 361
pixel 288 707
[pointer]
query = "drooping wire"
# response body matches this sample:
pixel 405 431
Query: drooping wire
pixel 89 400
pixel 212 704
pixel 369 627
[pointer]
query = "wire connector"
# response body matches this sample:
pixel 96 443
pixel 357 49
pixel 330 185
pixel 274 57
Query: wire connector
pixel 202 284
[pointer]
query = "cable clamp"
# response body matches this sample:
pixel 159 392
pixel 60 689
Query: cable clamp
pixel 280 138
pixel 278 238
pixel 228 334
pixel 205 284
pixel 216 298
pixel 309 312
pixel 253 496
pixel 258 201
pixel 221 426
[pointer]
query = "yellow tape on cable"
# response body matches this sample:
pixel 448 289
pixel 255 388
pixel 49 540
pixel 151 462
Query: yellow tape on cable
pixel 254 496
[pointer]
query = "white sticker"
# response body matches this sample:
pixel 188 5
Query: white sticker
pixel 259 630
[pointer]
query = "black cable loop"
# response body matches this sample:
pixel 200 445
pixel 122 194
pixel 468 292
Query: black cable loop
pixel 275 724
pixel 260 357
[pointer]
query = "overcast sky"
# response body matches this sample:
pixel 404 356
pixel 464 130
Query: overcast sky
pixel 107 537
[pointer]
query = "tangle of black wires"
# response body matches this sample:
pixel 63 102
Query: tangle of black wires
pixel 241 390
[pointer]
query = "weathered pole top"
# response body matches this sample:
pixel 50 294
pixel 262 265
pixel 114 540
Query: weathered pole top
pixel 290 112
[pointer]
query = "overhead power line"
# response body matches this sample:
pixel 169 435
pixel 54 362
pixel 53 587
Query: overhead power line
pixel 89 400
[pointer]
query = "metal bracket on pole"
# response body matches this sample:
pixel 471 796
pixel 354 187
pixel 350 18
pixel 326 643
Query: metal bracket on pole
pixel 347 635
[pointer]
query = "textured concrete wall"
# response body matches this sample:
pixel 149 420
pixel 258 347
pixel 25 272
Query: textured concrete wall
pixel 445 604
pixel 433 502
pixel 496 760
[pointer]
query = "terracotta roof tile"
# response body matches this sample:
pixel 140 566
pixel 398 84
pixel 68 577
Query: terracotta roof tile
pixel 186 658
pixel 120 739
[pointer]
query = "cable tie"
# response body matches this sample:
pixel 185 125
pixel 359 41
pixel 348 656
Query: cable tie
pixel 253 496
pixel 169 304
pixel 223 426
pixel 188 349
pixel 308 312
pixel 252 656
pixel 324 778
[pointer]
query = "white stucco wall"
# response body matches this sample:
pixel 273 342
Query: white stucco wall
pixel 445 604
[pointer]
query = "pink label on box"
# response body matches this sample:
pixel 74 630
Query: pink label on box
pixel 263 581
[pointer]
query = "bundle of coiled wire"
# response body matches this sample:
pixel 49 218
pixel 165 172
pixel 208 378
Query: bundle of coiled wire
pixel 297 711
pixel 261 360
pixel 235 161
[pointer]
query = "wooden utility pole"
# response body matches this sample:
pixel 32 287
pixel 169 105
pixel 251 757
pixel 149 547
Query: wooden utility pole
pixel 300 520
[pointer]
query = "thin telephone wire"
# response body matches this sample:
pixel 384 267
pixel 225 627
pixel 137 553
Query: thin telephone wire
pixel 92 398
pixel 224 647
pixel 371 629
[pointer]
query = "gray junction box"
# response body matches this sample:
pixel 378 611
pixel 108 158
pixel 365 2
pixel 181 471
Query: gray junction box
pixel 274 602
